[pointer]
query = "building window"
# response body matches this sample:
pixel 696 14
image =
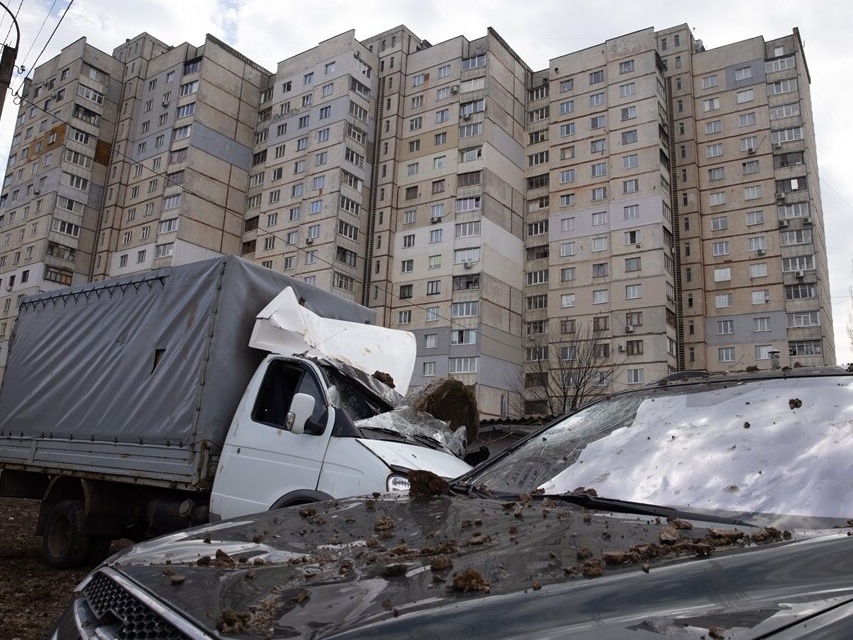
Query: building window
pixel 725 327
pixel 760 296
pixel 726 354
pixel 723 274
pixel 756 243
pixel 752 193
pixel 723 300
pixel 719 223
pixel 747 95
pixel 758 270
pixel 465 309
pixel 805 348
pixel 632 237
pixel 462 365
pixel 567 129
pixel 635 376
pixel 567 176
pixel 762 351
pixel 634 347
pixel 600 269
pixel 717 198
pixel 760 324
pixel 720 248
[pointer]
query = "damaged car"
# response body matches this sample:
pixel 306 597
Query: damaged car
pixel 715 507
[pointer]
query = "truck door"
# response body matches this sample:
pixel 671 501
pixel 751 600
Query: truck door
pixel 262 460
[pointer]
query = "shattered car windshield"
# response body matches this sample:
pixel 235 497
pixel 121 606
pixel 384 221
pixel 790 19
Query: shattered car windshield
pixel 775 446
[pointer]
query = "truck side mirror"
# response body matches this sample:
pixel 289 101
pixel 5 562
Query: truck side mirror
pixel 301 408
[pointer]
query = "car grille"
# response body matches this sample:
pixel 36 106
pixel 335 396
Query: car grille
pixel 126 615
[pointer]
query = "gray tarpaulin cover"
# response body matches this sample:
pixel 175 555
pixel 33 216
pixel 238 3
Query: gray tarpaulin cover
pixel 157 358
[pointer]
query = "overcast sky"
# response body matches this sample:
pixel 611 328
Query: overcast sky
pixel 268 31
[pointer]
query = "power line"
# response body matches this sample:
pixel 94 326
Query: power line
pixel 12 25
pixel 53 33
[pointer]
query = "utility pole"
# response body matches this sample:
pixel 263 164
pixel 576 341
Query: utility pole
pixel 7 60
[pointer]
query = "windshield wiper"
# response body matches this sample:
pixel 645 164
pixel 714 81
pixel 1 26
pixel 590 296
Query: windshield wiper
pixel 598 503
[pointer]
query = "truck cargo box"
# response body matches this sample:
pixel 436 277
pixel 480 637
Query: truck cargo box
pixel 138 378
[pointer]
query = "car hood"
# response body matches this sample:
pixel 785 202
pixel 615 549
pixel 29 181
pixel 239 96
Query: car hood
pixel 457 566
pixel 414 456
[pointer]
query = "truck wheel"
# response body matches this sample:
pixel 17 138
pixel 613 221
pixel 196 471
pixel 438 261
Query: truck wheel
pixel 63 543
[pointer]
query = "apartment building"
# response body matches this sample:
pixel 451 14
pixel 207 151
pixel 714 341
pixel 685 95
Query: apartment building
pixel 600 299
pixel 450 188
pixel 309 194
pixel 755 277
pixel 54 181
pixel 639 207
pixel 179 170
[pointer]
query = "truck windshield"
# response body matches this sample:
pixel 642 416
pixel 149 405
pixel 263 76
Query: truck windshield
pixel 353 397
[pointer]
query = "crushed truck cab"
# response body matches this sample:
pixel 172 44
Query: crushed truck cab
pixel 308 415
pixel 145 404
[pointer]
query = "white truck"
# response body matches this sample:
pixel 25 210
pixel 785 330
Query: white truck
pixel 149 403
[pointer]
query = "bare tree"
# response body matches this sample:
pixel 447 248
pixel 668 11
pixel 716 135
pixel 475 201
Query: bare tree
pixel 568 371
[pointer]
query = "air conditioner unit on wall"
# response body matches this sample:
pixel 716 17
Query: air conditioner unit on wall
pixel 629 329
pixel 783 224
pixel 807 220
pixel 777 145
pixel 799 274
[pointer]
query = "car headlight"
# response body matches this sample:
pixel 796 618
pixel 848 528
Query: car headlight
pixel 397 482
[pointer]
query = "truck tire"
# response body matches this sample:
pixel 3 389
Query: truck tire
pixel 64 544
